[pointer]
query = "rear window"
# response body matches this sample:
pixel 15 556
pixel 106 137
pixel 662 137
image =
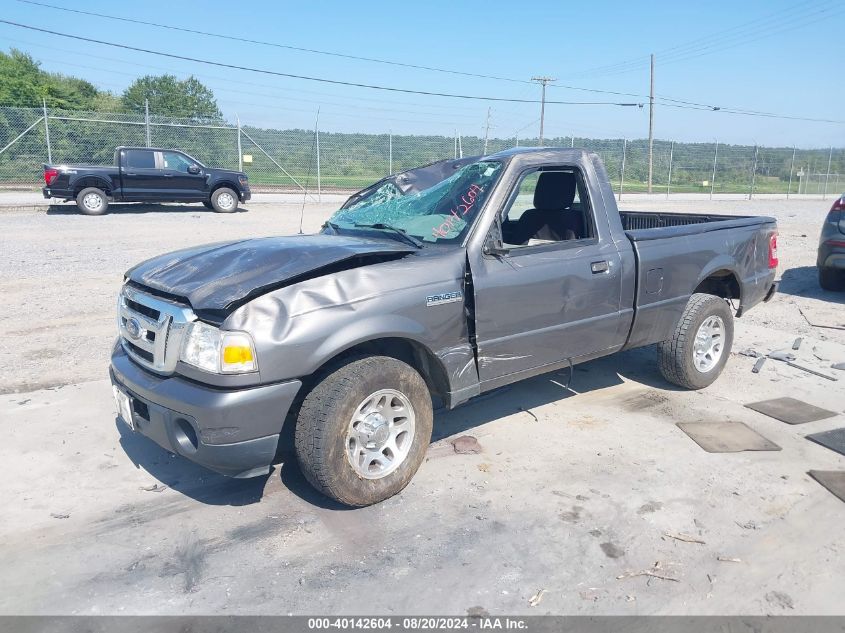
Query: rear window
pixel 140 159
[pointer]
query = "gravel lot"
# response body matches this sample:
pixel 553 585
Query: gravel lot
pixel 566 498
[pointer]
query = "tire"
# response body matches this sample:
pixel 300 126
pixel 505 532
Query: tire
pixel 92 201
pixel 330 428
pixel 224 200
pixel 831 278
pixel 679 361
pixel 207 204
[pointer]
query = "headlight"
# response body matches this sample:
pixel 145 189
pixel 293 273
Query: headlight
pixel 217 351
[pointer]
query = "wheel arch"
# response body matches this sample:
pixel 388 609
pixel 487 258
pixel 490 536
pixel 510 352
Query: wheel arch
pixel 91 181
pixel 408 350
pixel 225 183
pixel 722 281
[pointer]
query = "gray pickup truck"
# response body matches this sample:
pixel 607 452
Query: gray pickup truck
pixel 346 341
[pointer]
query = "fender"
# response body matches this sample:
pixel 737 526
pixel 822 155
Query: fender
pixel 719 263
pixel 92 181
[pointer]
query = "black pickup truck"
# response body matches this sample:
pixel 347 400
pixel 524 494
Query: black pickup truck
pixel 146 174
pixel 416 297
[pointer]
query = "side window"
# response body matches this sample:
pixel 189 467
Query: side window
pixel 548 206
pixel 176 162
pixel 140 159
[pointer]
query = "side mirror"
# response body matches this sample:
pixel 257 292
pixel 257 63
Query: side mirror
pixel 193 169
pixel 494 244
pixel 495 247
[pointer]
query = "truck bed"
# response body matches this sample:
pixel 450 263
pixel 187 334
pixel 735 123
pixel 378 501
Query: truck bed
pixel 675 251
pixel 646 225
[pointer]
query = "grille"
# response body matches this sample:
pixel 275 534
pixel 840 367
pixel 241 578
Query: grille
pixel 151 329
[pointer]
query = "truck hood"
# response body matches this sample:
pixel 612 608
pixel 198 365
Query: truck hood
pixel 217 278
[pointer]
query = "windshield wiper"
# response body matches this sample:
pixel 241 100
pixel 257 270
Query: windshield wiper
pixel 387 227
pixel 332 226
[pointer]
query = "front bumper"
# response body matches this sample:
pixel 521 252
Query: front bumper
pixel 232 432
pixel 246 194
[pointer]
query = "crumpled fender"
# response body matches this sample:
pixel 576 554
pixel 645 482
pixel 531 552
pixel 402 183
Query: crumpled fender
pixel 300 327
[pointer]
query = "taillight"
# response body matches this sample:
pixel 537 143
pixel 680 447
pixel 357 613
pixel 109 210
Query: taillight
pixel 838 205
pixel 50 175
pixel 773 250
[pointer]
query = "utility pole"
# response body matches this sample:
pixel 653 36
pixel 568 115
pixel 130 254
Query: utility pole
pixel 713 177
pixel 240 149
pixel 542 81
pixel 147 121
pixel 791 169
pixel 317 144
pixel 827 177
pixel 651 125
pixel 47 133
pixel 486 132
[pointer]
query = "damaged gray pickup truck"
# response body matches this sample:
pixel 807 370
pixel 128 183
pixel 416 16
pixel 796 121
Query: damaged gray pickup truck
pixel 409 300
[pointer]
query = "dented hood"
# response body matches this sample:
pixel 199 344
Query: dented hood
pixel 216 278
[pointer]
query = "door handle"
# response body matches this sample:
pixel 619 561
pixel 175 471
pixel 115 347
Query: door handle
pixel 129 173
pixel 168 175
pixel 599 267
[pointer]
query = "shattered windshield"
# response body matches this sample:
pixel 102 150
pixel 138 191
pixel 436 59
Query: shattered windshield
pixel 440 214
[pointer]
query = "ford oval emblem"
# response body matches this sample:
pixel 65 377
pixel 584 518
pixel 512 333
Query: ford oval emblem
pixel 133 328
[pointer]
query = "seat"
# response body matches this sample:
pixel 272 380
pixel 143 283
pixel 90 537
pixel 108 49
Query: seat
pixel 552 217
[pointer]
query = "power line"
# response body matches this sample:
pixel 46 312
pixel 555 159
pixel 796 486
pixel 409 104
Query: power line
pixel 304 77
pixel 229 79
pixel 308 50
pixel 274 44
pixel 677 103
pixel 738 35
pixel 321 102
pixel 569 87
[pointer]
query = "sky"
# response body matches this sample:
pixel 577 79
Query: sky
pixel 776 57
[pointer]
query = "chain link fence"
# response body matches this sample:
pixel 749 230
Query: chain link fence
pixel 318 161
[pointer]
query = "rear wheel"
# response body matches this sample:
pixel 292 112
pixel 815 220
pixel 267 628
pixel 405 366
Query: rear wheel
pixel 831 278
pixel 363 430
pixel 92 201
pixel 224 200
pixel 699 348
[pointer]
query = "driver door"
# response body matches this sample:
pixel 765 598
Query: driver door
pixel 554 297
pixel 178 181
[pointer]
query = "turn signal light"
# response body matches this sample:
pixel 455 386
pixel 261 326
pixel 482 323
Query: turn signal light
pixel 233 355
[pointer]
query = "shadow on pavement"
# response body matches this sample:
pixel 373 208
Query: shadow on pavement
pixel 639 365
pixel 293 479
pixel 803 281
pixel 210 488
pixel 138 208
pixel 186 477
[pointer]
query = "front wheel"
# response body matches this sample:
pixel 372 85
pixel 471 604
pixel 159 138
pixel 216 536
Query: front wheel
pixel 363 430
pixel 92 201
pixel 224 200
pixel 700 345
